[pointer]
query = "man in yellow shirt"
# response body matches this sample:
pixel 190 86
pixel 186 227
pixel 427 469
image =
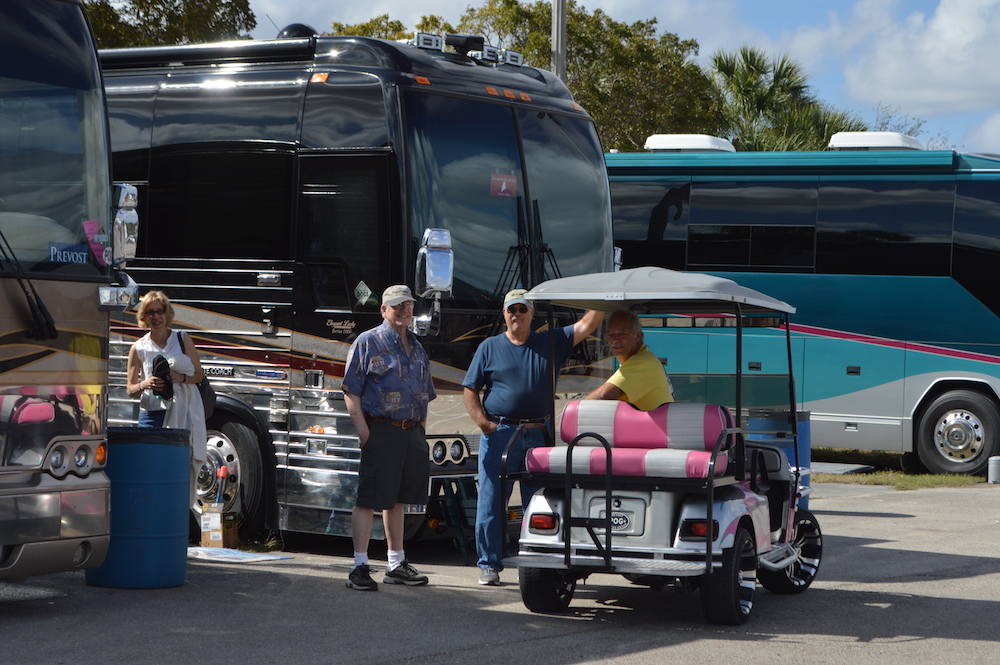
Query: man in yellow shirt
pixel 640 379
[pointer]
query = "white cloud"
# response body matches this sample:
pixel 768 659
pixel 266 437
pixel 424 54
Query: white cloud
pixel 986 135
pixel 932 65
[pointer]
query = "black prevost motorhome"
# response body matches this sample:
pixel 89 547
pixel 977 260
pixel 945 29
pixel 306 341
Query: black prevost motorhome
pixel 285 183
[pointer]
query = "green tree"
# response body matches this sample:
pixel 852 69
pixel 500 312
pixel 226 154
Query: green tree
pixel 383 27
pixel 769 106
pixel 632 79
pixel 167 22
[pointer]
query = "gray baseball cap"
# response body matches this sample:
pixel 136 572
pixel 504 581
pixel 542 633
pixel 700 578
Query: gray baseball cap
pixel 397 294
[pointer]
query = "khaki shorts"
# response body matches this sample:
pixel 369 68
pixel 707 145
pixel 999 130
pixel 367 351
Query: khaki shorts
pixel 394 467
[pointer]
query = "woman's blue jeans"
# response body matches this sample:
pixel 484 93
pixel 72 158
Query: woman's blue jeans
pixel 153 419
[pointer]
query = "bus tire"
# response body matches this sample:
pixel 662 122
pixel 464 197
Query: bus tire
pixel 233 444
pixel 958 432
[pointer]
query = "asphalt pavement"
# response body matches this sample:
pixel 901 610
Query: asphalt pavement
pixel 906 577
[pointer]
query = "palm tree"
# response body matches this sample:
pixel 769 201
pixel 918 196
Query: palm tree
pixel 768 105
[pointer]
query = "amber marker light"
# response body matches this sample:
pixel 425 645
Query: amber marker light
pixel 101 454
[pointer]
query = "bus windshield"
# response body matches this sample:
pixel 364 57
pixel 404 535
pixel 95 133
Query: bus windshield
pixel 452 162
pixel 53 142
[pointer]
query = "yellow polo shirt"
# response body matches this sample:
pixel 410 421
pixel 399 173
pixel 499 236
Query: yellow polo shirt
pixel 643 380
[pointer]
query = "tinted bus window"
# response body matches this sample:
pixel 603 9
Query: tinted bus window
pixel 977 251
pixel 752 224
pixel 469 182
pixel 650 221
pixel 345 229
pixel 193 212
pixel 569 190
pixel 884 228
pixel 53 155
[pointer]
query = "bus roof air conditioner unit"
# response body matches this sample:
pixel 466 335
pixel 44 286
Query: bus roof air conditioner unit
pixel 873 141
pixel 687 143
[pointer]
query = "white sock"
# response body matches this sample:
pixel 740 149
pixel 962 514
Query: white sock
pixel 396 557
pixel 360 559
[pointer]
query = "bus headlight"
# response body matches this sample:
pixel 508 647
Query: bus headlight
pixel 438 452
pixel 57 458
pixel 82 457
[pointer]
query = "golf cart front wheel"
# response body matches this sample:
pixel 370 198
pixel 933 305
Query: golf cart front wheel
pixel 808 543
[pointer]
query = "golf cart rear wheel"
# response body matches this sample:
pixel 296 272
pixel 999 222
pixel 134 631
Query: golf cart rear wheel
pixel 545 590
pixel 808 543
pixel 727 594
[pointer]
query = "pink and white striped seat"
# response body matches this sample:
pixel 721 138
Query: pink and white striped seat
pixel 672 441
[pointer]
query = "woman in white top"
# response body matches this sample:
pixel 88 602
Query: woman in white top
pixel 184 410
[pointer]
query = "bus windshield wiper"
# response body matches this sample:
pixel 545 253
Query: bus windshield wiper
pixel 44 327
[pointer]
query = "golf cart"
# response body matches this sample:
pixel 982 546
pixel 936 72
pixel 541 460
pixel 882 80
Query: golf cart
pixel 677 496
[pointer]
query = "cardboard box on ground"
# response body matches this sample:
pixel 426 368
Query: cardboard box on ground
pixel 218 528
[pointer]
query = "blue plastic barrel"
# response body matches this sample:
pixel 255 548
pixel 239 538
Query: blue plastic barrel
pixel 149 471
pixel 774 426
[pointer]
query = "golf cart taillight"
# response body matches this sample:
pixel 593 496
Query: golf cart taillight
pixel 698 530
pixel 544 523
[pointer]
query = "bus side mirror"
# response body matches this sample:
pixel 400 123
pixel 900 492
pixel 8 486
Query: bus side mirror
pixel 435 265
pixel 124 238
pixel 125 227
pixel 435 274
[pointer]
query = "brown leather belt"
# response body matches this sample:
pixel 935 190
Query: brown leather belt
pixel 404 424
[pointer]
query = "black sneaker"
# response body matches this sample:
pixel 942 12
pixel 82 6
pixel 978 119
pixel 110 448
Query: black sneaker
pixel 361 579
pixel 406 574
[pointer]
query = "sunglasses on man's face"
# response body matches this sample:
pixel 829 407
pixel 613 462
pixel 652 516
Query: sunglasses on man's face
pixel 517 309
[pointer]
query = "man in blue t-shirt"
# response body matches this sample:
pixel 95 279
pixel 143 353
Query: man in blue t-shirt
pixel 513 367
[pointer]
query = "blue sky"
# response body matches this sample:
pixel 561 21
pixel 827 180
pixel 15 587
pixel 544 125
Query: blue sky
pixel 935 60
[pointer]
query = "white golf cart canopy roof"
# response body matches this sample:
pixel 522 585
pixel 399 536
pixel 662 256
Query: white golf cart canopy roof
pixel 655 290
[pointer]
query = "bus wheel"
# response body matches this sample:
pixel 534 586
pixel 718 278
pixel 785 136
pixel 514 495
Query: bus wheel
pixel 233 445
pixel 958 433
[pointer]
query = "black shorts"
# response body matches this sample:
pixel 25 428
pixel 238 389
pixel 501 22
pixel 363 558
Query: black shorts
pixel 394 467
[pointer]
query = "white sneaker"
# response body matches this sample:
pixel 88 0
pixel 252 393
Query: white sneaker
pixel 489 577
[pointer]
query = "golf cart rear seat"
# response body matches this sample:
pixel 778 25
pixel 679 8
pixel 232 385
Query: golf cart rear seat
pixel 675 442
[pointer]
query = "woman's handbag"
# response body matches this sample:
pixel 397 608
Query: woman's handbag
pixel 204 388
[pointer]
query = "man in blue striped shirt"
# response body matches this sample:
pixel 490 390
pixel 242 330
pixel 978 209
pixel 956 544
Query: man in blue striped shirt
pixel 387 385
